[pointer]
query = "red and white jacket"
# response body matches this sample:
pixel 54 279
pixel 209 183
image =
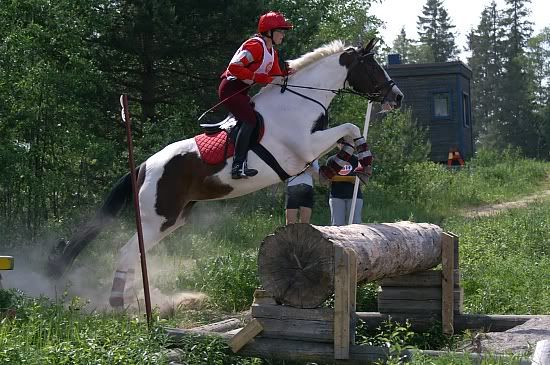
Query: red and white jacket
pixel 252 58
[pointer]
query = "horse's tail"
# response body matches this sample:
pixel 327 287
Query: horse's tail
pixel 64 253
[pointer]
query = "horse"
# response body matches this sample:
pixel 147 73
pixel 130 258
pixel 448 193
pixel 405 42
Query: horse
pixel 294 111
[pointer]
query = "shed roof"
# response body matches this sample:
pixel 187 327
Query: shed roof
pixel 429 69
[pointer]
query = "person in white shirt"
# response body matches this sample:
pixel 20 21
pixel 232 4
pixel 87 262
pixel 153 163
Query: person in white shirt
pixel 299 195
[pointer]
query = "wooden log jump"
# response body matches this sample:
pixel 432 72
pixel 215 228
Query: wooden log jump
pixel 296 263
pixel 329 258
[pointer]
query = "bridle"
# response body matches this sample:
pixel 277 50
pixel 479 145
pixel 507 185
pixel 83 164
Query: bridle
pixel 378 94
pixel 380 91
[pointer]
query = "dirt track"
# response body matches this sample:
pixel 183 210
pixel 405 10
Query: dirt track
pixel 493 209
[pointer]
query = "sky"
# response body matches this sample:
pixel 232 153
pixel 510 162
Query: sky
pixel 464 14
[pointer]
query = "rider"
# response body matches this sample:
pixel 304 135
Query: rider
pixel 255 61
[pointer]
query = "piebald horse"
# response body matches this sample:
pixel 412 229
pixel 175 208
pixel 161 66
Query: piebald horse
pixel 175 178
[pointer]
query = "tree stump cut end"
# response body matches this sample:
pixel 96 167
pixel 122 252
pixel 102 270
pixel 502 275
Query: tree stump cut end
pixel 296 265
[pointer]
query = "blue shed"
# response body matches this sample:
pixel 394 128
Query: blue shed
pixel 439 97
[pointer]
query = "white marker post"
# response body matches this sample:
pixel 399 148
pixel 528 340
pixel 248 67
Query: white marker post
pixel 356 186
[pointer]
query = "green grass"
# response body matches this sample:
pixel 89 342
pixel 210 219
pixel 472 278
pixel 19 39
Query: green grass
pixel 504 259
pixel 38 331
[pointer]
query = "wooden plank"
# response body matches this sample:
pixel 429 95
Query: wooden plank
pixel 341 304
pixel 287 312
pixel 427 278
pixel 416 294
pixel 245 335
pixel 447 282
pixel 419 322
pixel 299 351
pixel 6 263
pixel 414 306
pixel 423 322
pixel 292 329
pixel 353 292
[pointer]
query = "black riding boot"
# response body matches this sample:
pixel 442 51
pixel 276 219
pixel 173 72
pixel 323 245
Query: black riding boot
pixel 239 168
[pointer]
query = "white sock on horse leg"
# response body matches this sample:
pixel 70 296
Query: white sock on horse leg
pixel 116 299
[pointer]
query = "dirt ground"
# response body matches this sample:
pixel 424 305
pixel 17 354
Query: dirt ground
pixel 488 210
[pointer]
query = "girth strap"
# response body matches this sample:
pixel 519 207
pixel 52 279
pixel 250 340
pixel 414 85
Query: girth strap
pixel 268 158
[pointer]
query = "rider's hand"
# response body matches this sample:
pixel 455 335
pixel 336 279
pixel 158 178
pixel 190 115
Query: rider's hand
pixel 261 78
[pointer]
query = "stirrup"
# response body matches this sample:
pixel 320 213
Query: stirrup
pixel 242 171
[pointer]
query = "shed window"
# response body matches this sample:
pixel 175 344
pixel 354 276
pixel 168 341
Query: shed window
pixel 442 105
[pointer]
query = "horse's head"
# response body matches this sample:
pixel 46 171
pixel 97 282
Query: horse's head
pixel 367 77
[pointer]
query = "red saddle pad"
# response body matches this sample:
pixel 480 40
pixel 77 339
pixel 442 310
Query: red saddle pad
pixel 212 147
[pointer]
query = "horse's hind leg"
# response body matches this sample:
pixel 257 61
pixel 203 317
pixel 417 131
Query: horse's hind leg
pixel 128 257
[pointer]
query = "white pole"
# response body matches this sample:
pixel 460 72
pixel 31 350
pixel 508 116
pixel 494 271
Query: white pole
pixel 356 185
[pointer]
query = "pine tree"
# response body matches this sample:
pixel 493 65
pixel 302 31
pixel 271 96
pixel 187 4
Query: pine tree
pixel 516 115
pixel 403 46
pixel 435 31
pixel 538 61
pixel 486 46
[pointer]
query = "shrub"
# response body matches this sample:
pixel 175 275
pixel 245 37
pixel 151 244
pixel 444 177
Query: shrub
pixel 396 142
pixel 228 280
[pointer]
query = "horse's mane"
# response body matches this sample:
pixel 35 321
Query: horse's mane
pixel 315 55
pixel 307 59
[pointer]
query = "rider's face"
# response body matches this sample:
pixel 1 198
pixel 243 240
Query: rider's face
pixel 278 36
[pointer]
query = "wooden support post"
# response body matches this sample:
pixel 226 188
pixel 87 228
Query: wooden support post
pixel 250 331
pixel 447 282
pixel 343 301
pixel 353 292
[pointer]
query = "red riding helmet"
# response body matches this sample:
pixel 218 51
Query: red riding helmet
pixel 273 20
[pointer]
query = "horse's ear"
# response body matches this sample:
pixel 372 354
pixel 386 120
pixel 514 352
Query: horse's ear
pixel 371 45
pixel 347 58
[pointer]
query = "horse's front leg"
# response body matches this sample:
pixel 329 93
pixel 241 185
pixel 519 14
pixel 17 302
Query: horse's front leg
pixel 325 140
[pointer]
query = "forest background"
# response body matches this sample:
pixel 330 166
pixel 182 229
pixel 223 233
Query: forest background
pixel 64 64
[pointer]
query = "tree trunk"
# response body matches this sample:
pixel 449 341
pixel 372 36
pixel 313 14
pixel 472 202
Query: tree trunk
pixel 296 263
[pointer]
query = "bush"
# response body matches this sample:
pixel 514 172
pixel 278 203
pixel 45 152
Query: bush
pixel 396 142
pixel 228 280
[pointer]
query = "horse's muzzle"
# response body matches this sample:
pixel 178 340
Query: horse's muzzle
pixel 393 99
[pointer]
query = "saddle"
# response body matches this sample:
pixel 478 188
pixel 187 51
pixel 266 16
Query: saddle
pixel 217 143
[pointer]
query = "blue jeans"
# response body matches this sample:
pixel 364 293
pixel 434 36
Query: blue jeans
pixel 339 211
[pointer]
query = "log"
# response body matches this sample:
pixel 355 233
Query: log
pixel 296 263
pixel 483 322
pixel 221 326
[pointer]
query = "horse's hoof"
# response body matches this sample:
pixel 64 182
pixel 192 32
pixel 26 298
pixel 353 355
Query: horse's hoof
pixel 116 302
